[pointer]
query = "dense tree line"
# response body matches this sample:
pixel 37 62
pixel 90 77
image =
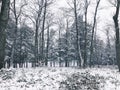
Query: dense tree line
pixel 35 36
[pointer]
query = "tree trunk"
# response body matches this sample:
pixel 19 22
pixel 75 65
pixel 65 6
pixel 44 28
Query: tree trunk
pixel 115 18
pixel 43 27
pixel 38 20
pixel 4 15
pixel 92 38
pixel 59 48
pixel 47 49
pixel 85 45
pixel 36 44
pixel 66 59
pixel 79 56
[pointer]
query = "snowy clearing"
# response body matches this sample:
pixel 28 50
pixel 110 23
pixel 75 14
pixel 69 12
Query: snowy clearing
pixel 44 78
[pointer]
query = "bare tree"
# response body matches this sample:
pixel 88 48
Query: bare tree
pixel 37 26
pixel 80 59
pixel 17 13
pixel 43 28
pixel 47 3
pixel 93 30
pixel 67 42
pixel 48 41
pixel 4 15
pixel 115 18
pixel 49 23
pixel 86 31
pixel 36 18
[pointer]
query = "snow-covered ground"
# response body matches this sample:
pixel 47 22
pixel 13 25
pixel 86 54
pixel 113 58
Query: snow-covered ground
pixel 44 78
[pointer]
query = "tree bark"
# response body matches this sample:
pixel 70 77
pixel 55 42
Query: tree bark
pixel 4 16
pixel 37 25
pixel 36 44
pixel 66 59
pixel 85 45
pixel 115 18
pixel 79 56
pixel 43 27
pixel 92 38
pixel 47 48
pixel 59 48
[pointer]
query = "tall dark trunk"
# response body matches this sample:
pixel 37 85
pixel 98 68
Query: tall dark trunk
pixel 92 38
pixel 59 49
pixel 36 44
pixel 47 49
pixel 43 27
pixel 40 46
pixel 79 56
pixel 115 18
pixel 85 44
pixel 38 20
pixel 20 52
pixel 4 15
pixel 66 59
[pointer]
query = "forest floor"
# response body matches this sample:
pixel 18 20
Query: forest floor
pixel 49 78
